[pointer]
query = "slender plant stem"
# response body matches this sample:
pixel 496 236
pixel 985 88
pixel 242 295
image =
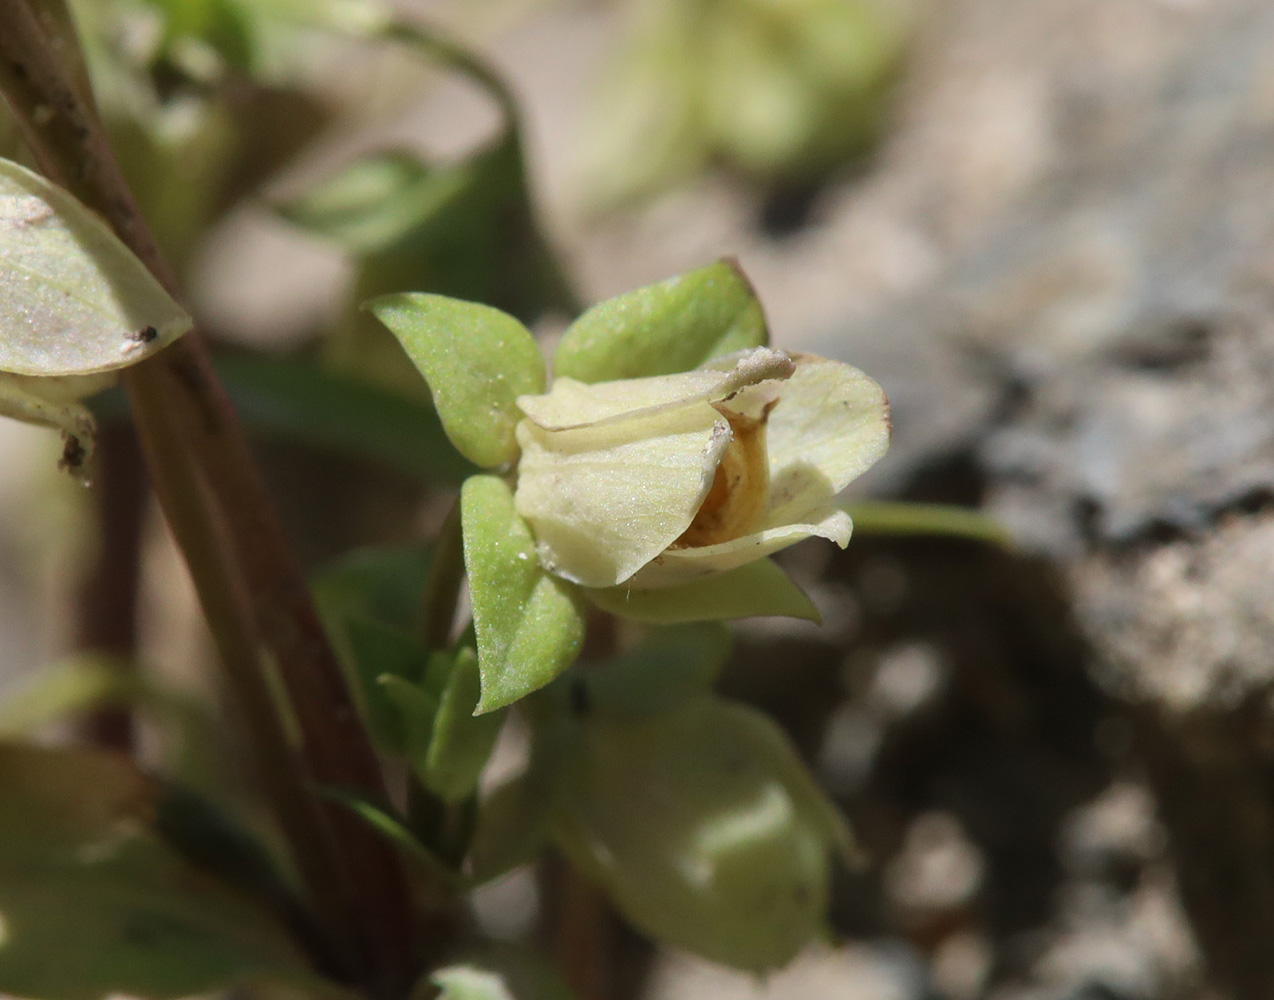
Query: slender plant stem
pixel 178 387
pixel 195 526
pixel 106 599
pixel 442 588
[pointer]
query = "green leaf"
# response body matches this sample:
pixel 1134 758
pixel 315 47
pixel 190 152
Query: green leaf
pixel 669 327
pixel 61 689
pixel 383 653
pixel 73 299
pixel 382 584
pixel 301 402
pixel 512 821
pixel 429 871
pixel 755 589
pixel 698 822
pixel 886 517
pixel 461 743
pixel 86 680
pixel 477 361
pixel 415 710
pixel 209 838
pixel 95 902
pixel 375 201
pixel 529 624
pixel 670 666
pixel 512 826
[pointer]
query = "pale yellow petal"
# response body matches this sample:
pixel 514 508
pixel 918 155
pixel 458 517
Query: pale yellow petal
pixel 831 424
pixel 603 502
pixel 573 404
pixel 677 566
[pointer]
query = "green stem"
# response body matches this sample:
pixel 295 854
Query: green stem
pixel 282 775
pixel 106 599
pixel 442 589
pixel 887 517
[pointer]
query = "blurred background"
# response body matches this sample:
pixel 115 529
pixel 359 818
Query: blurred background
pixel 1045 226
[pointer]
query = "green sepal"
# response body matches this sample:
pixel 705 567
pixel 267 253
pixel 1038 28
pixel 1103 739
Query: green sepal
pixel 668 327
pixel 759 588
pixel 529 624
pixel 477 361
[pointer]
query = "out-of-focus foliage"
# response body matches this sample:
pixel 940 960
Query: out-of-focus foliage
pixel 781 90
pixel 202 100
pixel 705 828
pixel 95 901
pixel 466 229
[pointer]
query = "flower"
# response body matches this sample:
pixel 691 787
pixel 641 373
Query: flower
pixel 655 482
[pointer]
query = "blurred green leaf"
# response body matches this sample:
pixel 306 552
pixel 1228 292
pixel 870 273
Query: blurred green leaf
pixel 381 584
pixel 305 403
pixel 512 826
pixel 222 26
pixel 382 653
pixel 62 689
pixel 782 92
pixel 375 201
pixel 94 902
pixel 512 821
pixel 296 400
pixel 429 871
pixel 701 825
pixel 85 681
pixel 209 838
pixel 500 972
pixel 529 624
pixel 755 589
pixel 670 666
pixel 477 361
pixel 415 710
pixel 665 328
pixel 465 982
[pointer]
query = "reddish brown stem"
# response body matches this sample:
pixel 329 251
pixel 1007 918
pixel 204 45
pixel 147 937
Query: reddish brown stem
pixel 106 603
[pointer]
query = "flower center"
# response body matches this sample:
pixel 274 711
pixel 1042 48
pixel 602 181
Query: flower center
pixel 740 488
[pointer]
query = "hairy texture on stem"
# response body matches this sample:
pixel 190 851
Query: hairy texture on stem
pixel 178 387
